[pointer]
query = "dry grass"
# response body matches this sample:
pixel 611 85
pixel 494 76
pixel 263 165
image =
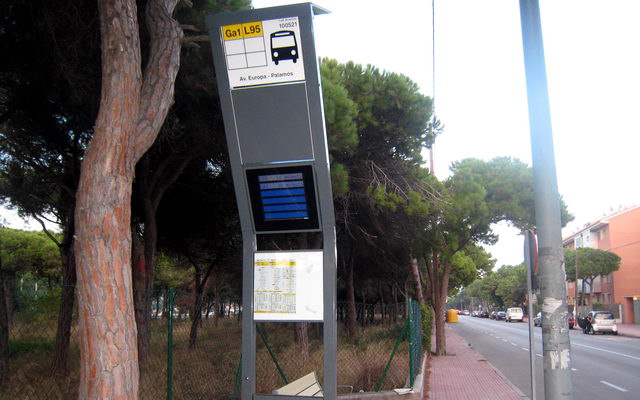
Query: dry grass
pixel 209 370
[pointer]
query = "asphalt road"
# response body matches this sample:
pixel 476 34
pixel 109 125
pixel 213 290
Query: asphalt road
pixel 603 366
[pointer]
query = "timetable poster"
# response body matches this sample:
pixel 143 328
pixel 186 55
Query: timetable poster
pixel 288 286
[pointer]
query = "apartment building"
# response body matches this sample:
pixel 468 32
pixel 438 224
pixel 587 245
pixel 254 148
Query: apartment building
pixel 619 291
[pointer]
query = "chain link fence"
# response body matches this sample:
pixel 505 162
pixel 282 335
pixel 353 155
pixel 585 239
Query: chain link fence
pixel 189 359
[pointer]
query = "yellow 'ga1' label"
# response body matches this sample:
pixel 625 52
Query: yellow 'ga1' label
pixel 241 31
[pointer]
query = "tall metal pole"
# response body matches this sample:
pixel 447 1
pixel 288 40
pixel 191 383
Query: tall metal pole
pixel 555 332
pixel 532 359
pixel 531 267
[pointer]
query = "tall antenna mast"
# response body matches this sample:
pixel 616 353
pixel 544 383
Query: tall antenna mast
pixel 433 80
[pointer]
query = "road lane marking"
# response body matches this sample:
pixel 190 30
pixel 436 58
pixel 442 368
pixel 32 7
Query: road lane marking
pixel 614 386
pixel 524 348
pixel 574 370
pixel 539 355
pixel 513 344
pixel 505 340
pixel 606 351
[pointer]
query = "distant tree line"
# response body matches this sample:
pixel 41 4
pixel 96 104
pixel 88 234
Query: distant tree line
pixel 507 286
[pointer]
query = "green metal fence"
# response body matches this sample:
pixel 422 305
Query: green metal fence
pixel 413 326
pixel 177 368
pixel 415 340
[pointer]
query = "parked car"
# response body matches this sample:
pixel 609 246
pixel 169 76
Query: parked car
pixel 501 315
pixel 571 320
pixel 537 321
pixel 484 314
pixel 492 315
pixel 475 313
pixel 514 314
pixel 601 321
pixel 465 312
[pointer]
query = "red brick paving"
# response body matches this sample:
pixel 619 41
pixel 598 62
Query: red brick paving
pixel 464 375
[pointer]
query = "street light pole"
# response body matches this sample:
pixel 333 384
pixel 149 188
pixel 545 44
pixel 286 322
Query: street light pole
pixel 555 335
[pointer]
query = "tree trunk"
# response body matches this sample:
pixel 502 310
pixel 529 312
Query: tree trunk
pixel 197 315
pixel 415 274
pixel 218 307
pixel 132 111
pixel 441 348
pixel 109 355
pixel 439 290
pixel 302 340
pixel 141 298
pixel 7 287
pixel 362 310
pixel 383 309
pixel 65 314
pixel 351 321
pixel 394 293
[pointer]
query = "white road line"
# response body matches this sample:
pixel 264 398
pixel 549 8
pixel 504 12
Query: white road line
pixel 505 340
pixel 539 355
pixel 524 348
pixel 513 344
pixel 574 370
pixel 606 351
pixel 614 386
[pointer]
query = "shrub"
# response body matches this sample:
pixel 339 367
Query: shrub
pixel 427 323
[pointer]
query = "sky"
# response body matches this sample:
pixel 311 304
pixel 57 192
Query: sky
pixel 593 69
pixel 592 54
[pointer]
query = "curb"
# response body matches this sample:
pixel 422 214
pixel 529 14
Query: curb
pixel 429 395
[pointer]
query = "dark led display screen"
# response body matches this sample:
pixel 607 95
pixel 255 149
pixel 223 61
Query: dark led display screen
pixel 283 199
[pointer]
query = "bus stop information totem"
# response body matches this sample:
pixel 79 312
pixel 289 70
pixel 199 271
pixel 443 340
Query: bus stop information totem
pixel 269 85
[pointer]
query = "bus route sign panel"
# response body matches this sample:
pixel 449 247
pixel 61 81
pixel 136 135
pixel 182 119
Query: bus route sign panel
pixel 263 52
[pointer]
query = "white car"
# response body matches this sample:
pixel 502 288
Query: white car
pixel 514 314
pixel 603 322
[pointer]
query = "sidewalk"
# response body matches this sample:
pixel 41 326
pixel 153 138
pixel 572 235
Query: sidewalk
pixel 629 330
pixel 464 374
